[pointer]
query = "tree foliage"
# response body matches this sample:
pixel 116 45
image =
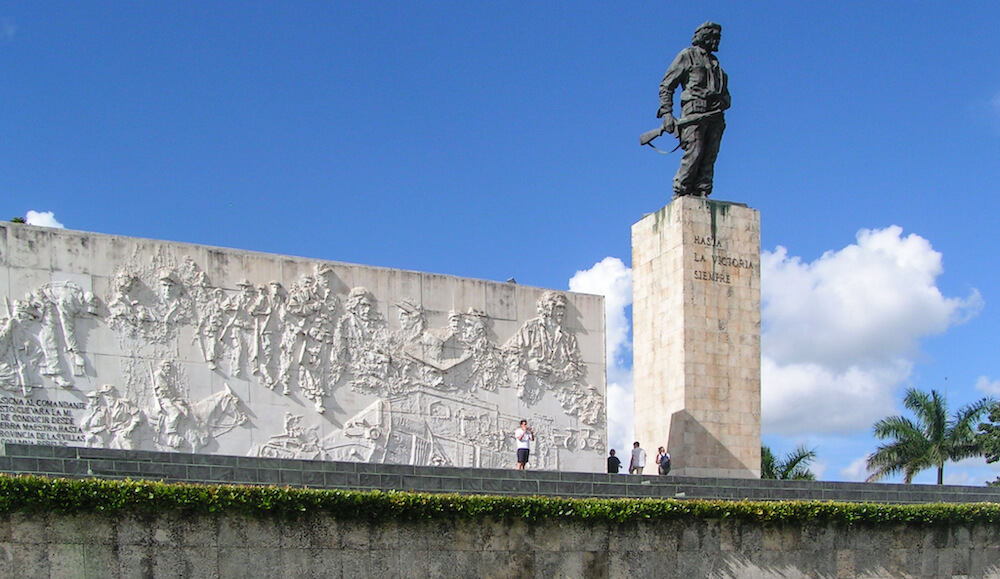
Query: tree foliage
pixel 795 465
pixel 989 438
pixel 929 440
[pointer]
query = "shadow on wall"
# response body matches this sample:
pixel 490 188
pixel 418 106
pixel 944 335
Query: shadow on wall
pixel 692 446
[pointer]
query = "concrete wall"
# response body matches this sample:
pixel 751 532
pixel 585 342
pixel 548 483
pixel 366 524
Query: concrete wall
pixel 134 344
pixel 319 546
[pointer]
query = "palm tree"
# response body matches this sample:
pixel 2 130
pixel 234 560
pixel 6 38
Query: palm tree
pixel 930 440
pixel 795 465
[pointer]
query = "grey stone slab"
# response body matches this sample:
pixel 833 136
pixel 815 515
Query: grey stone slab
pixel 166 471
pixel 472 484
pixel 641 491
pixel 450 484
pixel 99 561
pixel 550 488
pixel 367 468
pixel 81 529
pixel 311 478
pixel 576 477
pixel 101 453
pixel 290 477
pixel 221 474
pixel 494 486
pixel 24 464
pixel 369 480
pixel 28 528
pixel 65 560
pixel 335 467
pixel 268 463
pixel 30 450
pixel 610 490
pixel 422 483
pixel 584 489
pixel 188 562
pixel 400 469
pixel 198 472
pixel 29 561
pixel 328 562
pixel 341 480
pixel 269 476
pixel 50 465
pixel 126 467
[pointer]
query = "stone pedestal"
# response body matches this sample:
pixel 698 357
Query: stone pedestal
pixel 696 324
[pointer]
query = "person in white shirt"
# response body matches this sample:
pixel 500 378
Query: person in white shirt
pixel 638 461
pixel 524 436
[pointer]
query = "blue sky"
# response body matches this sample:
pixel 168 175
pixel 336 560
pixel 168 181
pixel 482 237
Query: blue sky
pixel 498 139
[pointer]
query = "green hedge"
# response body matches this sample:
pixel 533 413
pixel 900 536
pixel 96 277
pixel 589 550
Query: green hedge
pixel 33 494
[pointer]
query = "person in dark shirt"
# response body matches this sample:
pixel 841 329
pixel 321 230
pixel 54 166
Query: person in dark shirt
pixel 613 463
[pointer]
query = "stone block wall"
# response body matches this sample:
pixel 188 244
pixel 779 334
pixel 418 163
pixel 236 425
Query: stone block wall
pixel 224 546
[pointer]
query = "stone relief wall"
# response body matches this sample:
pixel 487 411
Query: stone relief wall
pixel 135 344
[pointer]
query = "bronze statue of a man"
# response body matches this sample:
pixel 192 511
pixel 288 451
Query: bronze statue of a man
pixel 704 98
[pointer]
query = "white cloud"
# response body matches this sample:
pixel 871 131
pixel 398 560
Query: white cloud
pixel 990 387
pixel 613 280
pixel 841 333
pixel 42 219
pixel 621 416
pixel 857 471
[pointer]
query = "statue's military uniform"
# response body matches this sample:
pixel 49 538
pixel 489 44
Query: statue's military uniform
pixel 706 90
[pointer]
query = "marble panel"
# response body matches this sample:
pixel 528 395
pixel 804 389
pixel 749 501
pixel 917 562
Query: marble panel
pixel 176 347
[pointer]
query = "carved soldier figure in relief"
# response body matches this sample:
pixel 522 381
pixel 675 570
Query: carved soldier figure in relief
pixel 238 331
pixel 362 344
pixel 110 420
pixel 314 306
pixel 583 402
pixel 269 319
pixel 306 330
pixel 19 350
pixel 410 345
pixel 124 307
pixel 175 419
pixel 211 324
pixel 453 348
pixel 58 305
pixel 175 304
pixel 544 353
pixel 294 442
pixel 704 98
pixel 489 371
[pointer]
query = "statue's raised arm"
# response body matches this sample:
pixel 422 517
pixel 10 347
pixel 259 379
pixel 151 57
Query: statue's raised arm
pixel 704 97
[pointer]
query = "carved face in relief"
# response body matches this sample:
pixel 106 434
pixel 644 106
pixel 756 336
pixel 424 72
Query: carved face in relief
pixel 411 320
pixel 475 328
pixel 124 282
pixel 455 321
pixel 276 290
pixel 168 289
pixel 360 303
pixel 552 307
